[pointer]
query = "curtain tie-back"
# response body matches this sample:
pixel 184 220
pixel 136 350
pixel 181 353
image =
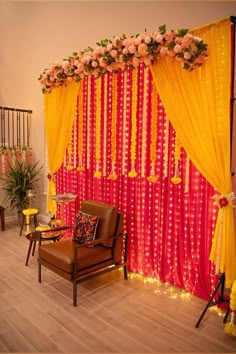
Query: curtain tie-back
pixel 223 200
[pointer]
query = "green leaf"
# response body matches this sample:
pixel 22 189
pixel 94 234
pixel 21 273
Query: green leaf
pixel 162 29
pixel 182 32
pixel 171 45
pixel 19 179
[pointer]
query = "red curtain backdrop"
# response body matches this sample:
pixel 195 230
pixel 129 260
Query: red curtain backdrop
pixel 124 151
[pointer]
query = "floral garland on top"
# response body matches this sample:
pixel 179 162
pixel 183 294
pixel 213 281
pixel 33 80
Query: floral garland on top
pixel 123 52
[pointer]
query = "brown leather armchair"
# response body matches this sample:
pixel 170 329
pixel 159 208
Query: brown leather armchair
pixel 79 262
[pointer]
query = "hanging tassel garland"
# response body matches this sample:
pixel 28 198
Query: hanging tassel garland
pixel 69 167
pixel 176 179
pixel 153 152
pixel 89 128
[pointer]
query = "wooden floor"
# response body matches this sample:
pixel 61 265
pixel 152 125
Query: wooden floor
pixel 113 315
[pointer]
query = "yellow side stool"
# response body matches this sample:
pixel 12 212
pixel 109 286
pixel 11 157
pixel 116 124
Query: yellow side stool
pixel 27 214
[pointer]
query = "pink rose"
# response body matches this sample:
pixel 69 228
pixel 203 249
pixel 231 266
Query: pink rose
pixel 83 60
pixel 147 39
pixel 88 59
pixel 113 53
pixel 177 48
pixel 187 40
pixel 97 51
pixel 127 42
pixel 125 51
pixel 187 55
pixel 109 47
pixel 142 36
pixel 137 41
pixel 159 38
pixel 80 67
pixel 178 40
pixel 65 64
pixel 102 63
pixel 142 49
pixel 132 49
pixel 94 64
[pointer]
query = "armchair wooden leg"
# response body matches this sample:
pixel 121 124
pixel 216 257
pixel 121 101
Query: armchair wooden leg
pixel 125 273
pixel 75 292
pixel 75 278
pixel 39 272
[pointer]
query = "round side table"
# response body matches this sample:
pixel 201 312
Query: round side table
pixel 34 237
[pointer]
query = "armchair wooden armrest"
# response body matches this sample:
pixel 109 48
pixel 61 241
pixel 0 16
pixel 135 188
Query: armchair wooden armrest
pixel 54 230
pixel 60 228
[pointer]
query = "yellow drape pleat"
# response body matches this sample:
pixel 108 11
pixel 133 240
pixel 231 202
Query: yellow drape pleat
pixel 60 108
pixel 198 105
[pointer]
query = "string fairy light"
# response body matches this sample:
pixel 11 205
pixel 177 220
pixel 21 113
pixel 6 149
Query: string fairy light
pixel 69 166
pixel 187 168
pixel 80 126
pixel 106 98
pixel 166 147
pixel 160 211
pixel 126 108
pixel 88 143
pixel 75 139
pixel 98 173
pixel 163 287
pixel 143 79
pixel 113 175
pixel 133 172
pixel 176 179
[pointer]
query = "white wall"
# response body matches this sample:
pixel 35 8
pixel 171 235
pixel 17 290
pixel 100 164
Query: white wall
pixel 34 34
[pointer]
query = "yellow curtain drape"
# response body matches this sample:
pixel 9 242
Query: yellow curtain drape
pixel 60 109
pixel 198 105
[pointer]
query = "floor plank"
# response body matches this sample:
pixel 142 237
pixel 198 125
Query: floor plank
pixel 113 315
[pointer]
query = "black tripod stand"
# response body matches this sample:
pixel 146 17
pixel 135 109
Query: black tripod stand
pixel 220 285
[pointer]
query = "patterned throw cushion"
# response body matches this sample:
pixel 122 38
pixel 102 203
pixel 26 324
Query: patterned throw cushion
pixel 85 227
